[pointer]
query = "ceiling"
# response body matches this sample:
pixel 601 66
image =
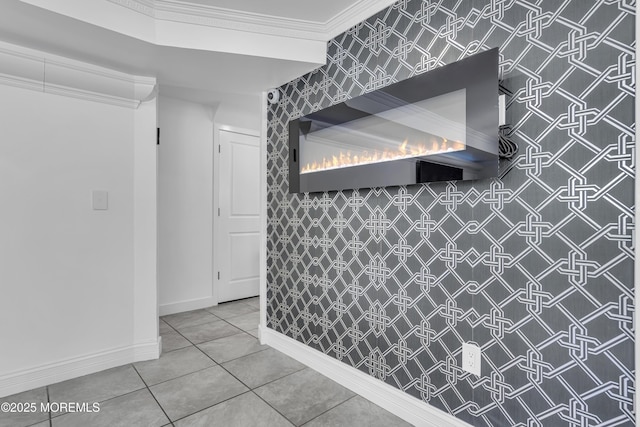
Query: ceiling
pixel 202 74
pixel 190 68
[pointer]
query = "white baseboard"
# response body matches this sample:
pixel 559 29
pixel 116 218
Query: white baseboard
pixel 147 351
pixel 390 398
pixel 51 373
pixel 180 306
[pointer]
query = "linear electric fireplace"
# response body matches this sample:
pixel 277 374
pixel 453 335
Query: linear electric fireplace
pixel 438 126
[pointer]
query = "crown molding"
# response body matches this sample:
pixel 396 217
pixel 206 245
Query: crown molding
pixel 146 7
pixel 230 19
pixel 211 16
pixel 353 15
pixel 31 69
pixel 87 95
pixel 20 82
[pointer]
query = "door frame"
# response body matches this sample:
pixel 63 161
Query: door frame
pixel 217 128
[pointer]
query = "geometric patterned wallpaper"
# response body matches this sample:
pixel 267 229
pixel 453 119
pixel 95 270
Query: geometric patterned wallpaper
pixel 535 267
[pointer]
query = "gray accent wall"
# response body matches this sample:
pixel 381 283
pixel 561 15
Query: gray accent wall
pixel 535 267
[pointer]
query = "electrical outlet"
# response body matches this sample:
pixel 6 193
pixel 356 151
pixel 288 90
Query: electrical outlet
pixel 471 358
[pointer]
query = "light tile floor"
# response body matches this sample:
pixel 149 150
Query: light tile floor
pixel 213 372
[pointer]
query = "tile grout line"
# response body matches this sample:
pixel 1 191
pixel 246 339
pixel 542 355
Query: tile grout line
pixel 235 358
pixel 253 310
pixel 252 389
pixel 330 409
pixel 216 320
pixel 175 328
pixel 215 404
pixel 220 364
pixel 192 344
pixel 179 376
pixel 49 401
pixel 199 370
pixel 308 421
pixel 106 400
pixel 231 317
pixel 152 395
pixel 249 389
pixel 219 319
pixel 196 345
pixel 269 382
pixel 271 406
pixel 180 333
pixel 203 352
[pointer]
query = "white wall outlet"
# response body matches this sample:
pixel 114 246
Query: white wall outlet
pixel 100 200
pixel 471 358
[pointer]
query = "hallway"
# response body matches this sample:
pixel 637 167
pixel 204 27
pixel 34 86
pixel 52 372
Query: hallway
pixel 213 372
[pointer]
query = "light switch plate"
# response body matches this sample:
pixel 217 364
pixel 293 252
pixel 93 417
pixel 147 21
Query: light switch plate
pixel 100 200
pixel 471 358
pixel 502 110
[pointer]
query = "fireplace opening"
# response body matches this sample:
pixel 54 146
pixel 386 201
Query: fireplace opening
pixel 433 126
pixel 438 126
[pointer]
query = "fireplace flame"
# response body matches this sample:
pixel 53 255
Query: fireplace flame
pixel 404 151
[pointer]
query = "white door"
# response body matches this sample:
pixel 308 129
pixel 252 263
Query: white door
pixel 238 232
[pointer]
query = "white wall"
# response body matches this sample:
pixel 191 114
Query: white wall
pixel 185 195
pixel 242 111
pixel 67 281
pixel 185 164
pixel 145 169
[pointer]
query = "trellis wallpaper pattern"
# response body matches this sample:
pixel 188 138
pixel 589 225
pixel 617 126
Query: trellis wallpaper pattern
pixel 535 267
